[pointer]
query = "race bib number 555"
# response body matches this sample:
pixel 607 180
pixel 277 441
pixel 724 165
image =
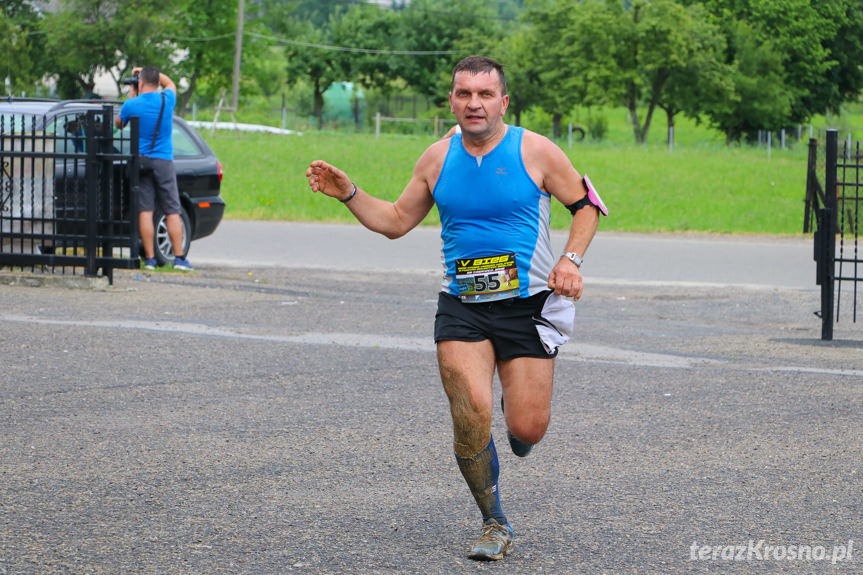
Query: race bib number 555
pixel 488 278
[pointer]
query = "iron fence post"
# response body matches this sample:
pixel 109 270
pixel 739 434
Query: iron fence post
pixel 106 191
pixel 827 226
pixel 134 173
pixel 92 194
pixel 811 201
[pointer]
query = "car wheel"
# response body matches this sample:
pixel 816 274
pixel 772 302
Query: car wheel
pixel 163 249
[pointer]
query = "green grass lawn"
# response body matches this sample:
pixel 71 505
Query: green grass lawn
pixel 702 185
pixel 708 189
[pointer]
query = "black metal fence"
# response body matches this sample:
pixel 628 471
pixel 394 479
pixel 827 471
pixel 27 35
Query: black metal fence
pixel 836 211
pixel 68 186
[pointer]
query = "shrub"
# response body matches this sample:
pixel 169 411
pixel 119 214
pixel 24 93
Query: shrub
pixel 597 126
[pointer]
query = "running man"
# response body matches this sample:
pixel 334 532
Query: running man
pixel 492 185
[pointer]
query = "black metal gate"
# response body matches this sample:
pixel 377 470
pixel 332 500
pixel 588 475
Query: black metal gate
pixel 68 187
pixel 835 208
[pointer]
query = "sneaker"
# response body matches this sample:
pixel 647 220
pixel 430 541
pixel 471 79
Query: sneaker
pixel 150 264
pixel 518 446
pixel 183 265
pixel 495 542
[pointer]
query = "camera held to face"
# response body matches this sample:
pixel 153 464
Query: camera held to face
pixel 133 81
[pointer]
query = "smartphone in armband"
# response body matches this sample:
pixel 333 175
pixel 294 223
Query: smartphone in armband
pixel 593 195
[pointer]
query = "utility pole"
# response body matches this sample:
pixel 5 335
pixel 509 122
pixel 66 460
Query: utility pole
pixel 238 54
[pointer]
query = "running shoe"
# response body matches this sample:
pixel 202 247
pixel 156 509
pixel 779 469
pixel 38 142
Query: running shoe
pixel 518 446
pixel 495 542
pixel 183 265
pixel 150 264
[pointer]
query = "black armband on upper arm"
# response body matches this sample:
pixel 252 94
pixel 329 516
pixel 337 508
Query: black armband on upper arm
pixel 574 207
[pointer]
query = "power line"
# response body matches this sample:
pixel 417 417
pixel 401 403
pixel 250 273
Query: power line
pixel 206 39
pixel 357 50
pixel 319 46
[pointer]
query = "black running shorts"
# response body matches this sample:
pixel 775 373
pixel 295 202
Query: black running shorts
pixel 509 324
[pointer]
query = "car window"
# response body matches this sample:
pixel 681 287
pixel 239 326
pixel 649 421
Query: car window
pixel 69 134
pixel 10 123
pixel 121 140
pixel 184 145
pixel 20 123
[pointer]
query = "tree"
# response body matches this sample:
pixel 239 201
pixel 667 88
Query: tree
pixel 85 37
pixel 595 52
pixel 553 57
pixel 206 30
pixel 184 38
pixel 510 42
pixel 819 43
pixel 15 48
pixel 437 26
pixel 317 13
pixel 79 41
pixel 843 81
pixel 311 55
pixel 578 50
pixel 705 81
pixel 268 70
pixel 382 49
pixel 661 45
pixel 800 35
pixel 761 99
pixel 319 67
pixel 378 33
pixel 516 51
pixel 20 48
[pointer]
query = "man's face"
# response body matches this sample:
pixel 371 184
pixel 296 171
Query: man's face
pixel 477 102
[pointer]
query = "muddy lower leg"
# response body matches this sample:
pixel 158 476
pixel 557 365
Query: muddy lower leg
pixel 481 473
pixel 467 369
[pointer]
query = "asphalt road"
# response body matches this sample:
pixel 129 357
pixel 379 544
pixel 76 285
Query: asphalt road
pixel 652 258
pixel 270 416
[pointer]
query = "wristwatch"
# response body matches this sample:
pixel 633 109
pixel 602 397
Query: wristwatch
pixel 574 258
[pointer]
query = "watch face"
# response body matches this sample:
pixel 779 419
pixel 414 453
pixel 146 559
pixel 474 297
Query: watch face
pixel 593 196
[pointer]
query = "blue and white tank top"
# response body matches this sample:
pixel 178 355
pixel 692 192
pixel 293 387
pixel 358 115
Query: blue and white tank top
pixel 489 205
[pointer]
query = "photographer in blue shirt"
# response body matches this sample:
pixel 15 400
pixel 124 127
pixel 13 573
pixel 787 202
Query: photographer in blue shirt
pixel 158 178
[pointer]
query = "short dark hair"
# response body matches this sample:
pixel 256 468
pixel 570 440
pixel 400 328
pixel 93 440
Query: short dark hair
pixel 478 64
pixel 150 75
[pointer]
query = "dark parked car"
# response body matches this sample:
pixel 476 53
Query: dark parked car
pixel 199 173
